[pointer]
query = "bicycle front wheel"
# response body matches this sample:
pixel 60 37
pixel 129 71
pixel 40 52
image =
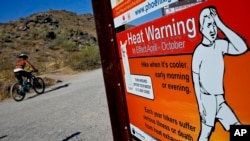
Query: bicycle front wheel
pixel 38 85
pixel 16 93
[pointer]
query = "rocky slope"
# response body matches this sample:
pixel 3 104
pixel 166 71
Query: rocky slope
pixel 54 40
pixel 51 34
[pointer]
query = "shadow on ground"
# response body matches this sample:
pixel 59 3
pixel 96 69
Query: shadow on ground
pixel 52 89
pixel 71 136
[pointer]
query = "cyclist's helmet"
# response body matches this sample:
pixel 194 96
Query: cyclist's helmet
pixel 22 55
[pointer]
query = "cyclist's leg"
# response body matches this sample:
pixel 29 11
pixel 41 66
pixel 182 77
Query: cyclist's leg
pixel 18 75
pixel 26 75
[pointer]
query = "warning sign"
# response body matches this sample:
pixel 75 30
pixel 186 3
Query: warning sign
pixel 186 74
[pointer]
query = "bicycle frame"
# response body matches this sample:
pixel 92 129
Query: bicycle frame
pixel 36 83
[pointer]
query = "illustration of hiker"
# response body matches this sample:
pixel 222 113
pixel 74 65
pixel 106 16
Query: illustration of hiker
pixel 127 74
pixel 208 71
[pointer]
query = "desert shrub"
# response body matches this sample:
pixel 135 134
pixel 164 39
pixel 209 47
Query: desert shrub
pixel 7 75
pixel 6 79
pixel 1 36
pixel 64 43
pixel 54 44
pixel 58 63
pixel 6 64
pixel 69 45
pixel 4 93
pixel 88 58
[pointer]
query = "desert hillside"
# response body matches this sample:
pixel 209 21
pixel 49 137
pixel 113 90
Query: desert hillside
pixel 54 40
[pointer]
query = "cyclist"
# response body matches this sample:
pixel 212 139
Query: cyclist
pixel 19 70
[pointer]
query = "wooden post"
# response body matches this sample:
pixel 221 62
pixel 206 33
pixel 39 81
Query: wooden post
pixel 106 34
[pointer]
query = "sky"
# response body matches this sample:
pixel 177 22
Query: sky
pixel 11 10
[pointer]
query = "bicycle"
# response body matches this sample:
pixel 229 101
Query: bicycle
pixel 18 91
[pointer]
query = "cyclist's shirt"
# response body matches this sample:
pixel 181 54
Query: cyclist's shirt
pixel 20 64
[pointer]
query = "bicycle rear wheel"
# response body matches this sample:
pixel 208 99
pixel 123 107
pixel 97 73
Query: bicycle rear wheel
pixel 38 85
pixel 16 93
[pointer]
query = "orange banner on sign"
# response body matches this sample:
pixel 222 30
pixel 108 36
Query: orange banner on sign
pixel 125 6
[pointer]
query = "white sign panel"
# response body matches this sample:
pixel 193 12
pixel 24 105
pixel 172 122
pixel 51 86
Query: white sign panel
pixel 125 11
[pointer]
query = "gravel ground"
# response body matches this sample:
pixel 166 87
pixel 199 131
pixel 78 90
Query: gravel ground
pixel 73 110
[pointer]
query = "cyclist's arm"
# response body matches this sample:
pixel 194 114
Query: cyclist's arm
pixel 30 65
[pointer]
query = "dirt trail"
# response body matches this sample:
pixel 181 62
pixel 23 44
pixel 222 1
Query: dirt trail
pixel 73 110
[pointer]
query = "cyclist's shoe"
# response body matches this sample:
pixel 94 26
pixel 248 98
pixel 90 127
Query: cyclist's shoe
pixel 20 91
pixel 26 89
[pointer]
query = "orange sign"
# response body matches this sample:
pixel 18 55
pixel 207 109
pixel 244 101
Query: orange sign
pixel 125 6
pixel 186 74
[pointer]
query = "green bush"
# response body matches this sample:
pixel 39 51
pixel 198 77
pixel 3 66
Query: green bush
pixel 55 44
pixel 69 45
pixel 6 79
pixel 88 58
pixel 64 43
